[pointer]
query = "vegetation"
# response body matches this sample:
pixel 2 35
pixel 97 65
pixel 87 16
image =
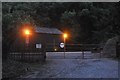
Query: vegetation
pixel 85 22
pixel 13 69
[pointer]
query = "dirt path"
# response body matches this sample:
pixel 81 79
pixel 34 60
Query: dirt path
pixel 76 68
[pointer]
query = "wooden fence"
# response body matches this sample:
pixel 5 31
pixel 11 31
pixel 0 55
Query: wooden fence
pixel 27 54
pixel 33 54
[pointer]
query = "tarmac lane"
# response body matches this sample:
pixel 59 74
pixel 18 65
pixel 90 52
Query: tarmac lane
pixel 76 68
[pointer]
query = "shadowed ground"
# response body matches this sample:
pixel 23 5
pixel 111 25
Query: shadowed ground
pixel 75 68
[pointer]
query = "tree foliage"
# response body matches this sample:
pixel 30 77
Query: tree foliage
pixel 91 22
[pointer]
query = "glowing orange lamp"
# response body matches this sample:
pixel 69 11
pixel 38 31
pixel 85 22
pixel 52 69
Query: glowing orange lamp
pixel 65 36
pixel 27 33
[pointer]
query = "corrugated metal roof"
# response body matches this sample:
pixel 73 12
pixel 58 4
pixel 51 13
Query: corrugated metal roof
pixel 47 30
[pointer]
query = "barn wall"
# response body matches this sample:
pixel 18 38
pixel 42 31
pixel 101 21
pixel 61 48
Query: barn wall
pixel 52 41
pixel 48 41
pixel 19 50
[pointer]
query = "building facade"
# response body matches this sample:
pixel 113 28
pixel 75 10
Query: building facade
pixel 42 40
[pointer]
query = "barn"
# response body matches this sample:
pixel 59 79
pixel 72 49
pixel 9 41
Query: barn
pixel 50 37
pixel 43 39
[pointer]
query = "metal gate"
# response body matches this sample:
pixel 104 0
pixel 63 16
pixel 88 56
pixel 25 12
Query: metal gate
pixel 74 51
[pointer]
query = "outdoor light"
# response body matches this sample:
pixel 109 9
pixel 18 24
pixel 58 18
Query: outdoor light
pixel 27 32
pixel 27 36
pixel 55 49
pixel 65 35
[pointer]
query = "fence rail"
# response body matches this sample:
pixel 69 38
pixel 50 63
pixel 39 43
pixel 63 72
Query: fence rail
pixel 27 54
pixel 75 47
pixel 38 54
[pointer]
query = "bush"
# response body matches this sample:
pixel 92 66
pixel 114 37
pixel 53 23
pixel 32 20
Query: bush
pixel 13 69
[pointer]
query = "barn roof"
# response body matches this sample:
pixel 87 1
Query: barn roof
pixel 47 30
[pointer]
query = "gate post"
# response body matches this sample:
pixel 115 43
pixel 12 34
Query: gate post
pixel 82 52
pixel 117 49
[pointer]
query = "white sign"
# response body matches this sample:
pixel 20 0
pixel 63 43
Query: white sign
pixel 38 45
pixel 62 45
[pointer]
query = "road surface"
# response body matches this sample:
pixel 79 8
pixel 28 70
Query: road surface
pixel 75 68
